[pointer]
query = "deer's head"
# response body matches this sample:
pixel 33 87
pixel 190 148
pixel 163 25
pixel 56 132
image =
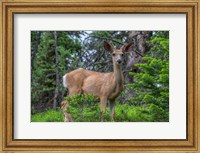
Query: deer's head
pixel 117 54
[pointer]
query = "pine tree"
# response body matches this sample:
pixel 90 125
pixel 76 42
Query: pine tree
pixel 151 84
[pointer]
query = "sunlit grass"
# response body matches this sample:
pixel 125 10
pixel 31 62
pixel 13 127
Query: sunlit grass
pixel 48 116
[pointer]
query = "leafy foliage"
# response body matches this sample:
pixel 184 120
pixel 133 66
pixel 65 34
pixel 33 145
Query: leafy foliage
pixel 84 108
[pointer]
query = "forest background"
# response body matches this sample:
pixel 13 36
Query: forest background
pixel 145 97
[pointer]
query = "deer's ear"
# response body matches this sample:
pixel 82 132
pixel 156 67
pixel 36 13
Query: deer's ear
pixel 127 48
pixel 108 46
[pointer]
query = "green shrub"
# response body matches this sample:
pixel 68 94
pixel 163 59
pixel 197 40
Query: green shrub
pixel 148 113
pixel 158 114
pixel 85 108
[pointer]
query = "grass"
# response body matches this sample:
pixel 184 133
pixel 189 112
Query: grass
pixel 48 116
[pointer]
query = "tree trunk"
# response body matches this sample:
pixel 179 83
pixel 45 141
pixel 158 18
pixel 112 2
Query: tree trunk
pixel 35 49
pixel 139 39
pixel 55 102
pixel 140 47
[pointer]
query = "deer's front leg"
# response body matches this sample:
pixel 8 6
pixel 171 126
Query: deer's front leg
pixel 103 101
pixel 112 110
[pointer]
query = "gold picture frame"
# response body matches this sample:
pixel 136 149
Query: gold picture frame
pixel 10 7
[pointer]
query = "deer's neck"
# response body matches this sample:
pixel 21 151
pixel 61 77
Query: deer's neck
pixel 117 82
pixel 118 77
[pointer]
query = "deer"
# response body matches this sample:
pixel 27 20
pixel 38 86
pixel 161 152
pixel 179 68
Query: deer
pixel 106 86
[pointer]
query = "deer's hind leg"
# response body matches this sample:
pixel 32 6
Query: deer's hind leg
pixel 67 116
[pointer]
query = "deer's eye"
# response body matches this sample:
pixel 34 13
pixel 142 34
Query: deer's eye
pixel 113 54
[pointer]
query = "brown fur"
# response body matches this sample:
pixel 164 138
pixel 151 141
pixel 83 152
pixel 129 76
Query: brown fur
pixel 67 117
pixel 107 86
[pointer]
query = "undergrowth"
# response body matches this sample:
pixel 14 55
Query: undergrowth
pixel 87 109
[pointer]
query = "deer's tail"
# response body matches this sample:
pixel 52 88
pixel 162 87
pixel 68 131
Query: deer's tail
pixel 65 80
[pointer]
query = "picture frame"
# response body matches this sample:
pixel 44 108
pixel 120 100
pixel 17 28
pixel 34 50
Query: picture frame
pixel 11 7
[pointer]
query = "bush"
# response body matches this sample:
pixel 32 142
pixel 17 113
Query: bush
pixel 85 108
pixel 149 113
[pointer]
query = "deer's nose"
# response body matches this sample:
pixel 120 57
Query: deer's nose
pixel 119 61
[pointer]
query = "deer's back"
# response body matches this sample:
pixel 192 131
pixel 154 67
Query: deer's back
pixel 74 80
